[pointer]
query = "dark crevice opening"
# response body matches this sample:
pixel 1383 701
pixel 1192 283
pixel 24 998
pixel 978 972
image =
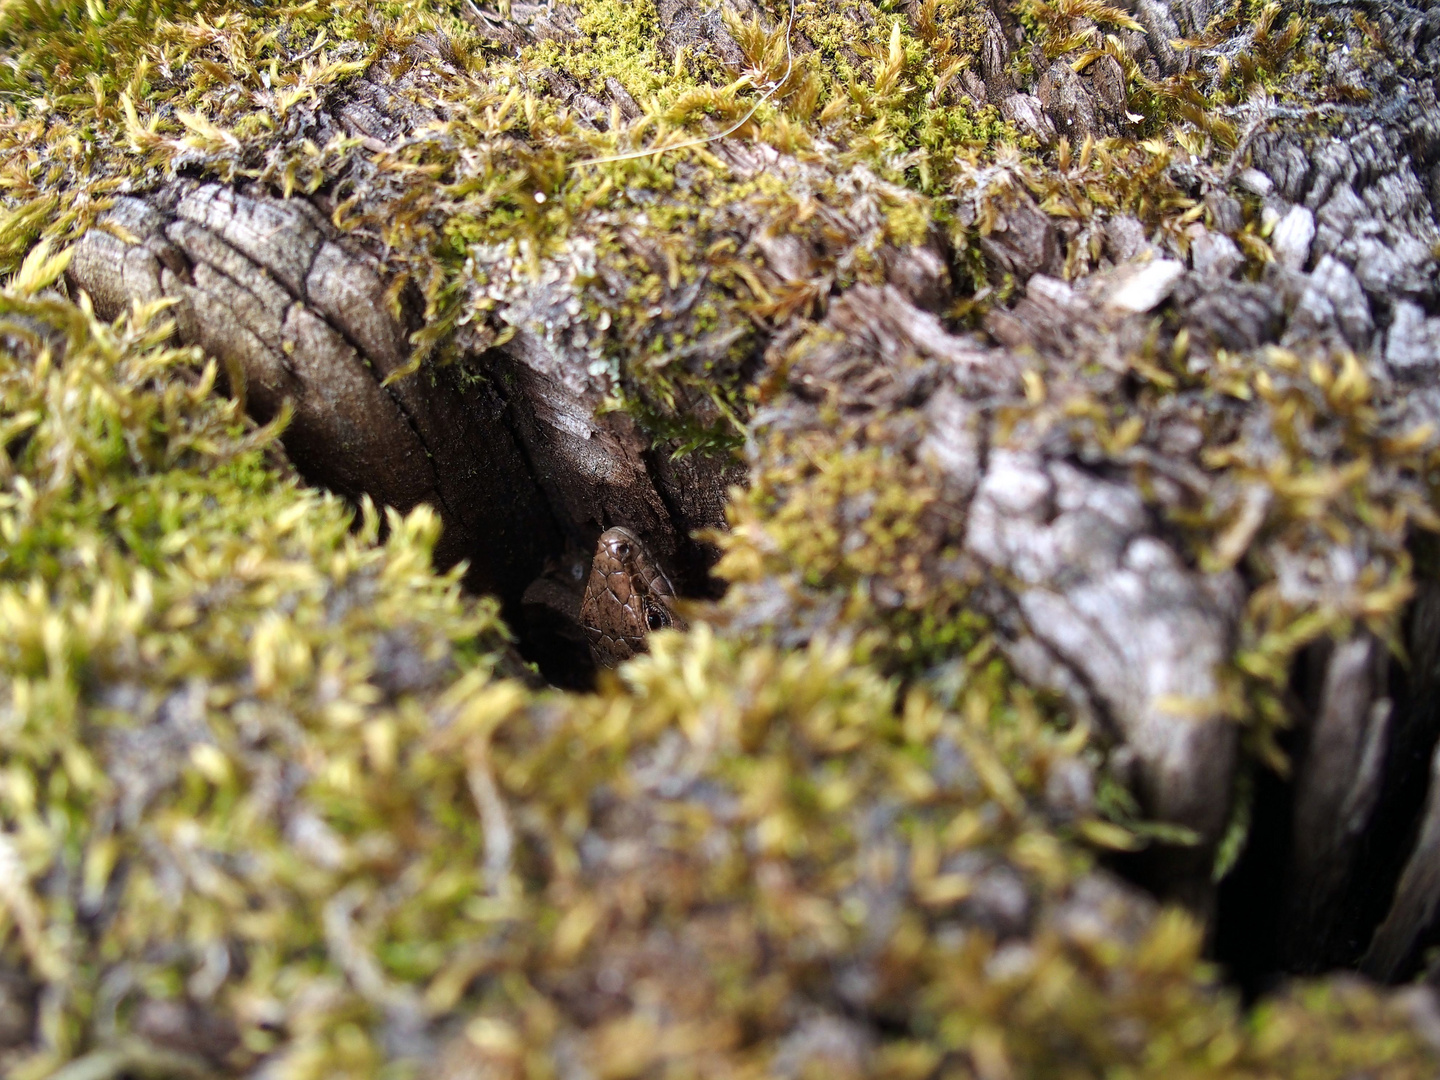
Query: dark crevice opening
pixel 545 636
pixel 1246 939
pixel 1263 933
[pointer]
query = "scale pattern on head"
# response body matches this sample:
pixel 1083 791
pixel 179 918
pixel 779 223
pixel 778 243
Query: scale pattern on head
pixel 628 596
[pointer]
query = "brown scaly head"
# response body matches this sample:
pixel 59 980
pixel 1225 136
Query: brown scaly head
pixel 627 597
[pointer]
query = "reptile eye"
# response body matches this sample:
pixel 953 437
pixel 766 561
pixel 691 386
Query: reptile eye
pixel 657 618
pixel 622 549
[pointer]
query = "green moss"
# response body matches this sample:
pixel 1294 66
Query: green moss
pixel 618 41
pixel 212 87
pixel 237 725
pixel 259 758
pixel 863 526
pixel 160 575
pixel 1332 470
pixel 885 89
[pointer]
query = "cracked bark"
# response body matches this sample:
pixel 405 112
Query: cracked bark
pixel 294 316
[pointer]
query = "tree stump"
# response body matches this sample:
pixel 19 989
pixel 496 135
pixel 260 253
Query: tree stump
pixel 1129 346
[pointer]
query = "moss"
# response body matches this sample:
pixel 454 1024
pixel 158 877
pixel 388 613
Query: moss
pixel 620 41
pixel 266 764
pixel 164 581
pixel 261 761
pixel 215 90
pixel 1303 462
pixel 1328 468
pixel 866 527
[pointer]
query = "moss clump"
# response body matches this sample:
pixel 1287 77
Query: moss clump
pixel 118 98
pixel 1307 475
pixel 858 536
pixel 264 768
pixel 101 99
pixel 236 96
pixel 176 609
pixel 1319 473
pixel 885 90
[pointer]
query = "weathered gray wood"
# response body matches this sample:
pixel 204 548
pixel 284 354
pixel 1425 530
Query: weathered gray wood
pixel 295 316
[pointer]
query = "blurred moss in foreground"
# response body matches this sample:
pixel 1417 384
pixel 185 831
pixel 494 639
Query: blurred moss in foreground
pixel 271 807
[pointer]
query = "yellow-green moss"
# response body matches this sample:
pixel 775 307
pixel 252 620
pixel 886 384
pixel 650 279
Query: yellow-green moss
pixel 345 798
pixel 233 722
pixel 112 99
pixel 865 526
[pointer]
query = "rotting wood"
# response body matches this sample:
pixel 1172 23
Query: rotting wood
pixel 1070 536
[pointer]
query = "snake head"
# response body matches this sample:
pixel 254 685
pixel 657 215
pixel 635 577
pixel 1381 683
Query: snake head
pixel 627 597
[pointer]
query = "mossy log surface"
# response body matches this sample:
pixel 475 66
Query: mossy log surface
pixel 1038 402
